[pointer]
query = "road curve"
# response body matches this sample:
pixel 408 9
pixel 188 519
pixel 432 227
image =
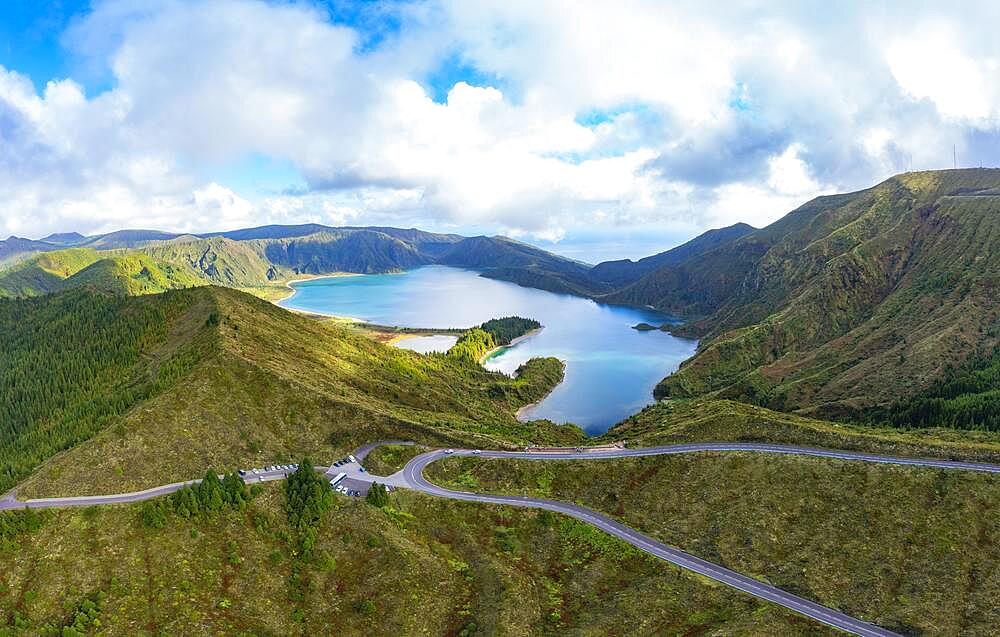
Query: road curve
pixel 413 476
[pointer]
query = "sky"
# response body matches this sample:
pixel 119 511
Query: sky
pixel 596 129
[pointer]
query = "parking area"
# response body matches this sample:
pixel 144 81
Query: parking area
pixel 360 487
pixel 266 473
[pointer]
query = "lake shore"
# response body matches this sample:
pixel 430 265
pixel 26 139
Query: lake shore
pixel 496 351
pixel 612 364
pixel 519 414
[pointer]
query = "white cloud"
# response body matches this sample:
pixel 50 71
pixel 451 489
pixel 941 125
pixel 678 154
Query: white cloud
pixel 929 63
pixel 706 115
pixel 789 184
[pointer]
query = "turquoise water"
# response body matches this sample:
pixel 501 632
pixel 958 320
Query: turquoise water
pixel 611 369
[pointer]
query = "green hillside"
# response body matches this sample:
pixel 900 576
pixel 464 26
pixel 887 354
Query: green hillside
pixel 218 260
pixel 622 273
pixel 131 274
pixel 118 272
pixel 45 272
pixel 259 385
pixel 855 301
pixel 71 364
pixel 420 566
pixel 914 550
pixel 362 251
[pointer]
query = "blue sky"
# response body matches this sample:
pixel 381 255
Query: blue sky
pixel 29 37
pixel 619 132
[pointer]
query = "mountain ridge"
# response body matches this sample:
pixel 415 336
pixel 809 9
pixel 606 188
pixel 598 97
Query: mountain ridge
pixel 892 283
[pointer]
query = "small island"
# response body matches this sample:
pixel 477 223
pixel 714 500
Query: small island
pixel 644 327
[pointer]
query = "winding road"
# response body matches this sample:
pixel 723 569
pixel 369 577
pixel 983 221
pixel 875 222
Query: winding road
pixel 412 477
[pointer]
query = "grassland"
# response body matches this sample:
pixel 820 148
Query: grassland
pixel 469 569
pixel 914 550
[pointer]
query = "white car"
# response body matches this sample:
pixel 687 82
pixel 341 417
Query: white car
pixel 476 452
pixel 449 451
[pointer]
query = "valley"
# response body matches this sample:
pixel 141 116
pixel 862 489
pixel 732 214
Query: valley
pixel 858 325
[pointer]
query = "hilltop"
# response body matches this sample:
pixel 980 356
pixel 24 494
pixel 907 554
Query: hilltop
pixel 159 387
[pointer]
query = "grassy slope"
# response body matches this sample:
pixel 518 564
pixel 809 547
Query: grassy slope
pixel 507 572
pixel 915 550
pixel 275 385
pixel 679 421
pixel 235 264
pixel 892 283
pixel 132 275
pixel 388 459
pixel 45 272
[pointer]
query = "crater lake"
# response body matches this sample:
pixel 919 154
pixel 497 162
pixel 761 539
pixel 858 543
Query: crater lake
pixel 611 369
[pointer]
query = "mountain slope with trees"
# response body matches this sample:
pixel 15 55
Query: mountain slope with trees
pixel 850 303
pixel 250 384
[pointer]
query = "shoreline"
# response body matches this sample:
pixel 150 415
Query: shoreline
pixel 314 277
pixel 315 313
pixel 519 414
pixel 496 351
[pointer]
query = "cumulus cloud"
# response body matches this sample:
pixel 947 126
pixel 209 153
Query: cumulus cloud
pixel 680 114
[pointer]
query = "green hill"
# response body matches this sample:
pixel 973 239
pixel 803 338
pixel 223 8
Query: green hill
pixel 850 303
pixel 213 377
pixel 131 274
pixel 122 273
pixel 218 260
pixel 912 550
pixel 362 251
pixel 73 363
pixel 45 272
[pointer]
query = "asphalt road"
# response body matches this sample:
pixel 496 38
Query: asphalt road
pixel 413 476
pixel 9 502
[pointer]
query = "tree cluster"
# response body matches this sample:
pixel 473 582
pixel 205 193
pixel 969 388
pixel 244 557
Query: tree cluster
pixel 13 524
pixel 307 498
pixel 202 498
pixel 966 397
pixel 472 345
pixel 506 329
pixel 377 496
